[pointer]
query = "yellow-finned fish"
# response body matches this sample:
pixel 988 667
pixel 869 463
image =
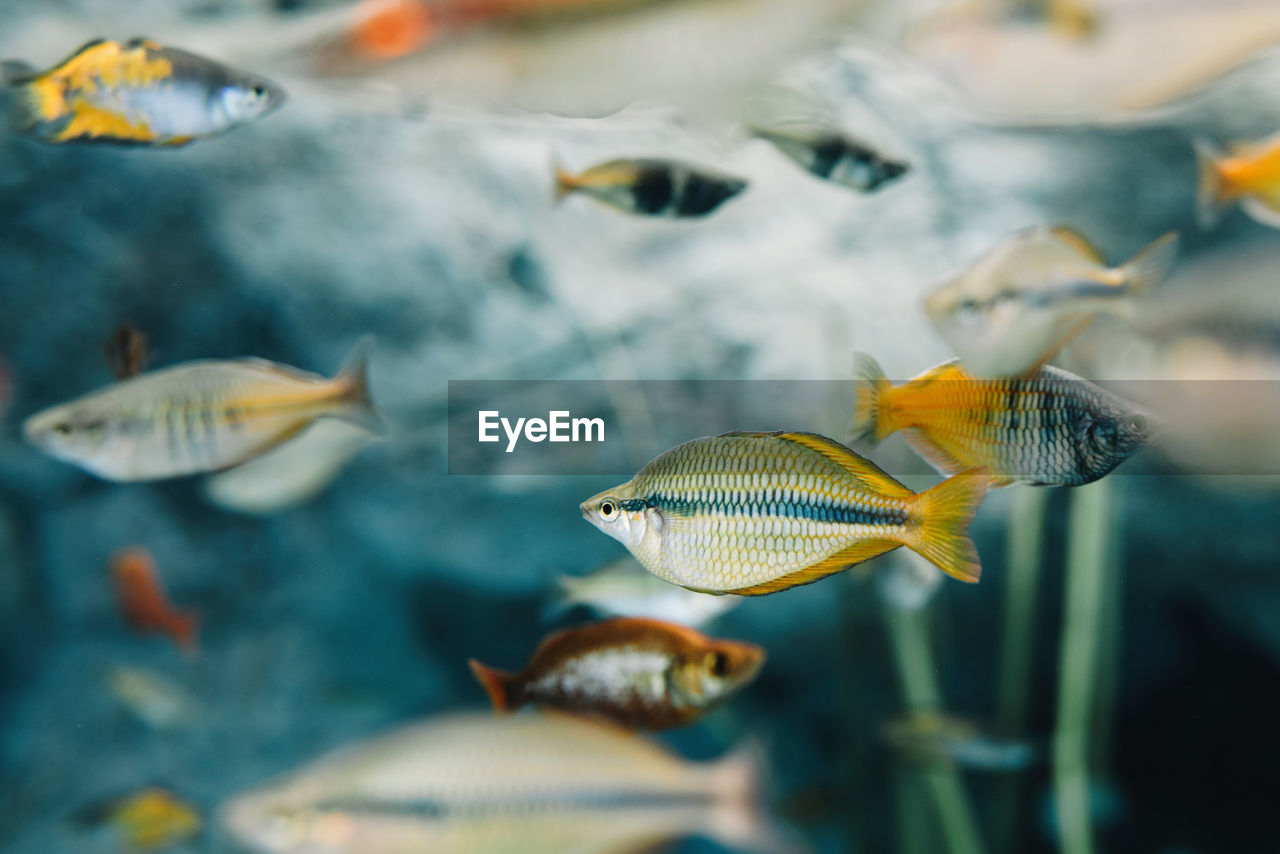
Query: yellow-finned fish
pixel 198 417
pixel 1051 428
pixel 149 820
pixel 755 513
pixel 659 188
pixel 136 93
pixel 1249 174
pixel 1013 308
pixel 518 784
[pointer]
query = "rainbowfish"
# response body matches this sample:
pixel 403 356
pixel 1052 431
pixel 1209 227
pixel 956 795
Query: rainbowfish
pixel 929 736
pixel 642 674
pixel 149 820
pixel 755 513
pixel 1051 428
pixel 1249 174
pixel 516 784
pixel 660 188
pixel 623 588
pixel 1013 308
pixel 835 157
pixel 152 698
pixel 143 601
pixel 137 93
pixel 198 417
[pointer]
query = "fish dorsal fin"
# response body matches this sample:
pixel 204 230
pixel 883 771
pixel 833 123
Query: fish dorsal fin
pixel 1078 243
pixel 838 562
pixel 858 466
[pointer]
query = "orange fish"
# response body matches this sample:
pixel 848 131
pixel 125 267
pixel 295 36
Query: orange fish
pixel 143 602
pixel 391 29
pixel 638 673
pixel 126 352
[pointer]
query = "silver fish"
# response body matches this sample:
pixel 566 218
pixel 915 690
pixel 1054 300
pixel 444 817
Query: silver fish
pixel 623 588
pixel 198 417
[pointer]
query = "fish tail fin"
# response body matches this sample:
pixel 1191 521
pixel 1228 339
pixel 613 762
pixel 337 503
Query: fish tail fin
pixel 20 101
pixel 353 380
pixel 497 685
pixel 1152 265
pixel 944 513
pixel 872 418
pixel 566 182
pixel 1212 195
pixel 738 818
pixel 15 72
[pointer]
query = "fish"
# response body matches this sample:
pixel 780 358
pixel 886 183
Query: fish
pixel 470 783
pixel 756 513
pixel 291 474
pixel 933 737
pixel 143 602
pixel 126 352
pixel 1052 428
pixel 138 93
pixel 1248 175
pixel 835 157
pixel 198 417
pixel 1013 308
pixel 658 188
pixel 637 673
pixel 623 588
pixel 148 820
pixel 151 698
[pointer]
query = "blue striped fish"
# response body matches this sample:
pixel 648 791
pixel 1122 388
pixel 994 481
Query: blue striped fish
pixel 755 513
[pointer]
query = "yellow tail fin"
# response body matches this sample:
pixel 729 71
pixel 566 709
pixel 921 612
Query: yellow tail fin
pixel 872 420
pixel 1212 196
pixel 353 379
pixel 944 513
pixel 566 182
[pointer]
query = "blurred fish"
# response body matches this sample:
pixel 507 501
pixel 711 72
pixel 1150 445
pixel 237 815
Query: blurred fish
pixel 1013 308
pixel 151 698
pixel 755 513
pixel 660 188
pixel 149 820
pixel 937 738
pixel 1050 429
pixel 198 417
pixel 1250 175
pixel 143 601
pixel 623 588
pixel 835 157
pixel 519 784
pixel 641 674
pixel 137 93
pixel 126 352
pixel 293 473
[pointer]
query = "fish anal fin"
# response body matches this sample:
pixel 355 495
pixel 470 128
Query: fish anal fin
pixel 858 466
pixel 1077 242
pixel 838 562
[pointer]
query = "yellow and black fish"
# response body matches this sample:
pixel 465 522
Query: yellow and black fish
pixel 660 188
pixel 136 93
pixel 835 157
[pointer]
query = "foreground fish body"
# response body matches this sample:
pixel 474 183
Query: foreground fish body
pixel 136 93
pixel 197 417
pixel 659 188
pixel 1249 175
pixel 755 513
pixel 143 601
pixel 1051 428
pixel 835 157
pixel 291 474
pixel 623 588
pixel 1014 307
pixel 519 784
pixel 642 674
pixel 938 738
pixel 149 820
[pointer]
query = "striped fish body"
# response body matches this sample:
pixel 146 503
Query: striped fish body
pixel 1051 428
pixel 836 158
pixel 754 513
pixel 137 93
pixel 657 188
pixel 520 784
pixel 198 417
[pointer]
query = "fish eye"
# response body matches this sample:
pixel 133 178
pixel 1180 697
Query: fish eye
pixel 62 428
pixel 719 664
pixel 1137 423
pixel 968 312
pixel 608 509
pixel 259 92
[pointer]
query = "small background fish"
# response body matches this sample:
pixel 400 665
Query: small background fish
pixel 143 600
pixel 624 588
pixel 661 188
pixel 152 819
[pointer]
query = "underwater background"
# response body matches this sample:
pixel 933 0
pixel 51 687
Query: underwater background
pixel 368 208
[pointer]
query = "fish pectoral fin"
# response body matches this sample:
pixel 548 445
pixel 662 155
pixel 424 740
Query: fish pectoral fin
pixel 840 561
pixel 861 468
pixel 1077 242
